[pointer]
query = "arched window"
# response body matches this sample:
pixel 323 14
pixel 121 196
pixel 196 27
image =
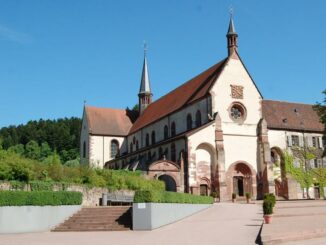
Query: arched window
pixel 149 156
pixel 173 156
pixel 130 147
pixel 114 148
pixel 189 122
pixel 160 153
pixel 173 131
pixel 137 145
pixel 147 139
pixel 153 137
pixel 84 149
pixel 198 118
pixel 166 132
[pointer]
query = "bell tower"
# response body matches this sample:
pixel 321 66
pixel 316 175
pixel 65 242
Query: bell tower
pixel 145 94
pixel 232 38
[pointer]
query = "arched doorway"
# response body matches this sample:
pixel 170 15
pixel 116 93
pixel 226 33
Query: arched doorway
pixel 241 179
pixel 170 184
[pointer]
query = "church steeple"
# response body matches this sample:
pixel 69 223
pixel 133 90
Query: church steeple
pixel 145 94
pixel 232 38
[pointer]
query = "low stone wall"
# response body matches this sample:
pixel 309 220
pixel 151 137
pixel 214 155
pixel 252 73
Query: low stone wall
pixel 22 219
pixel 149 216
pixel 91 196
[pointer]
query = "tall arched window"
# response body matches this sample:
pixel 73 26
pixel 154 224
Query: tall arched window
pixel 160 153
pixel 147 139
pixel 198 118
pixel 173 131
pixel 114 148
pixel 189 122
pixel 137 145
pixel 130 147
pixel 153 137
pixel 84 149
pixel 173 155
pixel 166 132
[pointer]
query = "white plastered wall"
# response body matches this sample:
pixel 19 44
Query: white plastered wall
pixel 240 139
pixel 100 149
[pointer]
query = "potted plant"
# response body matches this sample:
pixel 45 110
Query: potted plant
pixel 248 196
pixel 216 196
pixel 268 211
pixel 234 196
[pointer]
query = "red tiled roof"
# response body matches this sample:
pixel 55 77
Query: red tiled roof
pixel 108 121
pixel 291 116
pixel 195 89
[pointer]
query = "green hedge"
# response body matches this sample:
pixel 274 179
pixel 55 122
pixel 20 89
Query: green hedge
pixel 170 197
pixel 40 198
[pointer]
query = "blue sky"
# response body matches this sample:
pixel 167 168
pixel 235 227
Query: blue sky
pixel 56 54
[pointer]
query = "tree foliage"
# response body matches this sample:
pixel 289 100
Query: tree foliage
pixel 40 139
pixel 321 110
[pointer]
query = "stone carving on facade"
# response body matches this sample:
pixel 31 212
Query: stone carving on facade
pixel 237 91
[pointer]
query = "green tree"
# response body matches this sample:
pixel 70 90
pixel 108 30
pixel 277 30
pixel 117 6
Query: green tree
pixel 18 149
pixel 321 110
pixel 45 150
pixel 32 150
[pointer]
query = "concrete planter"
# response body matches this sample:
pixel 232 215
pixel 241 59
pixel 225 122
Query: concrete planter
pixel 149 216
pixel 23 219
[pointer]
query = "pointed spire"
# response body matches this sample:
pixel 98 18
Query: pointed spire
pixel 145 83
pixel 231 30
pixel 232 37
pixel 145 94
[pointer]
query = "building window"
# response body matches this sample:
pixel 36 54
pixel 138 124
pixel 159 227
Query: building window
pixel 173 131
pixel 147 139
pixel 295 140
pixel 137 145
pixel 237 112
pixel 114 148
pixel 166 132
pixel 153 137
pixel 130 147
pixel 316 163
pixel 149 156
pixel 84 149
pixel 173 155
pixel 314 141
pixel 160 153
pixel 198 118
pixel 189 122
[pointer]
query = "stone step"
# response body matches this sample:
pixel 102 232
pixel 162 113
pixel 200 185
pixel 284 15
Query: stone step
pixel 98 219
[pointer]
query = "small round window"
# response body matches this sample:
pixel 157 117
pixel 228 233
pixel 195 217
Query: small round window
pixel 237 112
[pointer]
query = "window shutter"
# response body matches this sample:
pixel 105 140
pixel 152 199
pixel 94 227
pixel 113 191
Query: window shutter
pixel 320 163
pixel 289 140
pixel 320 139
pixel 312 163
pixel 301 141
pixel 309 141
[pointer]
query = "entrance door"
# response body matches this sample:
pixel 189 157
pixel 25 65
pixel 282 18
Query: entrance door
pixel 203 190
pixel 238 185
pixel 169 182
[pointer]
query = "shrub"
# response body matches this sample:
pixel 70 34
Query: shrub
pixel 16 185
pixel 248 195
pixel 170 197
pixel 40 198
pixel 215 194
pixel 271 197
pixel 41 185
pixel 268 207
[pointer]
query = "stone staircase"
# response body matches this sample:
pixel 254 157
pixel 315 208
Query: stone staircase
pixel 112 218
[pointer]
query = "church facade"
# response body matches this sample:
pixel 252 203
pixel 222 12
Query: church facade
pixel 213 133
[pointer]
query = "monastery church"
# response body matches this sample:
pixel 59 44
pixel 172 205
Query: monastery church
pixel 215 132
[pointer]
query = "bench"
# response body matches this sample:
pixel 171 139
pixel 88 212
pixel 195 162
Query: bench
pixel 119 199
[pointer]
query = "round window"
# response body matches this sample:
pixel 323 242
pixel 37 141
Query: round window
pixel 237 112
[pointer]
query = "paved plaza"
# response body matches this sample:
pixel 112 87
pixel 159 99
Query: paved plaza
pixel 224 223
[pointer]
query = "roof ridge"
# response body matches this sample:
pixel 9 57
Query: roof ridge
pixel 117 109
pixel 288 102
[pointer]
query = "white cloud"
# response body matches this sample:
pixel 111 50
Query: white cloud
pixel 14 36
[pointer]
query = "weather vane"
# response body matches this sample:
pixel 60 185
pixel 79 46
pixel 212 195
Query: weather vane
pixel 231 11
pixel 145 47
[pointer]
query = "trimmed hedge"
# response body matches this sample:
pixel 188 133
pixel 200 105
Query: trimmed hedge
pixel 40 198
pixel 170 197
